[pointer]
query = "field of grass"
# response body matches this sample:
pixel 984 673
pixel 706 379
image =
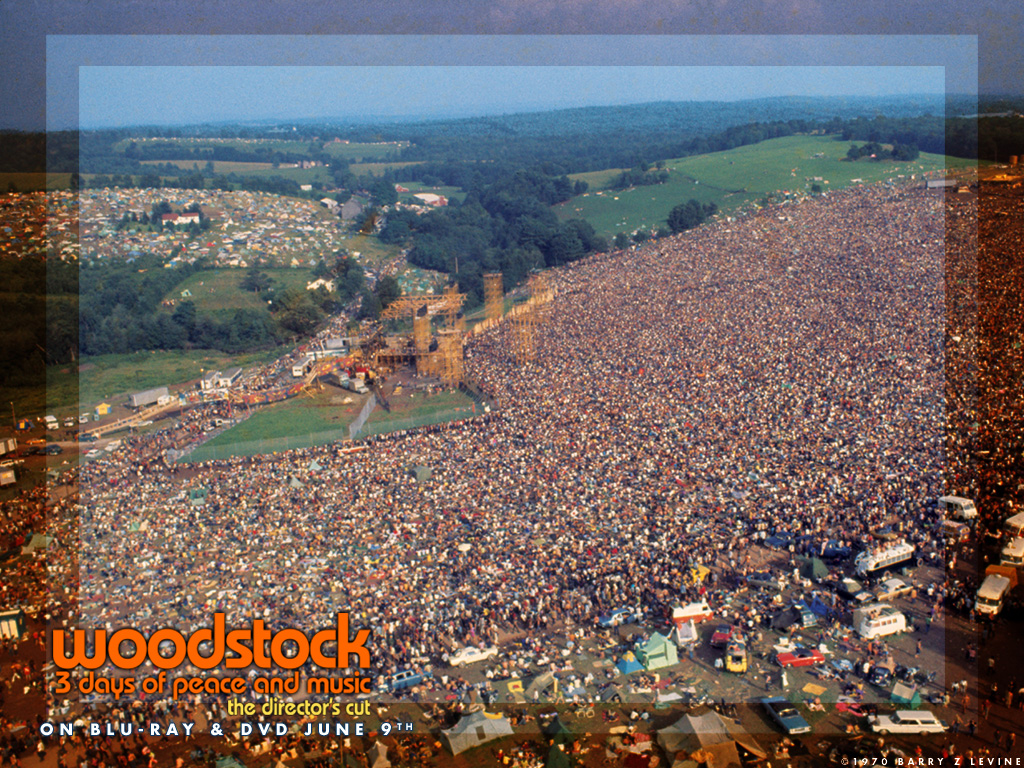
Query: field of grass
pixel 107 378
pixel 216 292
pixel 411 408
pixel 219 166
pixel 378 169
pixel 372 252
pixel 734 179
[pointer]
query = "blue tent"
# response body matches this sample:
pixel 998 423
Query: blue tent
pixel 628 663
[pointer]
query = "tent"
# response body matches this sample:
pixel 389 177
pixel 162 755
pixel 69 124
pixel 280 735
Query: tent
pixel 628 663
pixel 905 695
pixel 314 466
pixel 558 731
pixel 720 738
pixel 294 482
pixel 38 541
pixel 378 755
pixel 421 473
pixel 197 496
pixel 657 652
pixel 540 684
pixel 474 730
pixel 813 568
pixel 24 424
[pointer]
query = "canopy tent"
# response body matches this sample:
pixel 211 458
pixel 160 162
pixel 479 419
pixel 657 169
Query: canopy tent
pixel 710 732
pixel 628 663
pixel 474 730
pixel 657 652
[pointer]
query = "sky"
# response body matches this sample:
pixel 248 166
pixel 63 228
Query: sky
pixel 113 81
pixel 183 95
pixel 28 28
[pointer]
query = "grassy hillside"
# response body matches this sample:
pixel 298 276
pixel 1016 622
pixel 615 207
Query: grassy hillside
pixel 734 179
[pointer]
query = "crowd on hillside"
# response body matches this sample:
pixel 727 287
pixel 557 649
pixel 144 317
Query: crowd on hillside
pixel 781 371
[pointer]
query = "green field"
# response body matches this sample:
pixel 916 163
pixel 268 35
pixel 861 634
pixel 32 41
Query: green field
pixel 734 179
pixel 216 292
pixel 111 378
pixel 306 421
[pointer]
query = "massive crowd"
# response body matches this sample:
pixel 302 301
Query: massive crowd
pixel 783 370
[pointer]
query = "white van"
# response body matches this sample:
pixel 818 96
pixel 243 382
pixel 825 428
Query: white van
pixel 878 620
pixel 1013 553
pixel 991 593
pixel 1015 525
pixel 958 508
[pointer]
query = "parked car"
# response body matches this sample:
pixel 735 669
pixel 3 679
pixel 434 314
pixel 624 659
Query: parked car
pixel 907 721
pixel 405 679
pixel 800 657
pixel 470 655
pixel 786 715
pixel 53 450
pixel 617 617
pixel 766 580
pixel 892 588
pixel 722 635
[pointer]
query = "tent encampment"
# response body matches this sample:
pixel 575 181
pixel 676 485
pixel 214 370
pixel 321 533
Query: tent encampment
pixel 474 730
pixel 713 734
pixel 657 652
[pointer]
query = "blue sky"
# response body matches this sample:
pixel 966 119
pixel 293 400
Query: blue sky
pixel 175 95
pixel 108 81
pixel 28 27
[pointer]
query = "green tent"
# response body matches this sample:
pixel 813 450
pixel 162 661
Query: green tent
pixel 905 696
pixel 421 473
pixel 197 497
pixel 657 652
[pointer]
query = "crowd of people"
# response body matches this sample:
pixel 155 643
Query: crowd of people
pixel 782 370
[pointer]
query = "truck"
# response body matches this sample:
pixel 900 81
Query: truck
pixel 878 620
pixel 958 508
pixel 992 593
pixel 357 386
pixel 51 422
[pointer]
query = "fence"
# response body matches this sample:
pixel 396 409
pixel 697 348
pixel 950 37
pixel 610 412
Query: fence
pixel 262 445
pixel 355 426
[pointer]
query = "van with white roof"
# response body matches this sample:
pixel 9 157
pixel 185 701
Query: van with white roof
pixel 958 508
pixel 1013 553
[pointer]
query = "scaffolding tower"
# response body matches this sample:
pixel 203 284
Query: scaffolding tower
pixel 523 333
pixel 421 340
pixel 452 304
pixel 450 354
pixel 494 295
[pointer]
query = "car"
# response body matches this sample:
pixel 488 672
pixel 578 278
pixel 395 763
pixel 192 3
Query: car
pixel 618 617
pixel 880 677
pixel 892 588
pixel 800 657
pixel 53 450
pixel 765 580
pixel 93 454
pixel 736 656
pixel 722 635
pixel 85 437
pixel 853 591
pixel 907 721
pixel 405 679
pixel 786 715
pixel 779 540
pixel 696 612
pixel 470 655
pixel 834 550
